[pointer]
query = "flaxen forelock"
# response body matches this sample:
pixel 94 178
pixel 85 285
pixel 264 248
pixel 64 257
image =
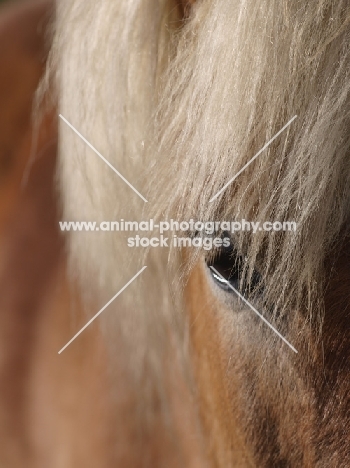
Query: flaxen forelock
pixel 193 106
pixel 229 91
pixel 105 63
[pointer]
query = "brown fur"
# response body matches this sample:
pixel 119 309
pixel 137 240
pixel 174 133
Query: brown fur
pixel 289 411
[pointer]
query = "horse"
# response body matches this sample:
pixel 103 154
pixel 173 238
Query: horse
pixel 236 355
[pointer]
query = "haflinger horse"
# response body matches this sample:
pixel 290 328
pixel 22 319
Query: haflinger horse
pixel 179 96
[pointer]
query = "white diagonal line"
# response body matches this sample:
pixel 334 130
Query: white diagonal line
pixel 251 160
pixel 103 159
pixel 103 308
pixel 252 308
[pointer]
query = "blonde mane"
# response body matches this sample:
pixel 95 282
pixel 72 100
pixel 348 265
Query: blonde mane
pixel 178 107
pixel 242 70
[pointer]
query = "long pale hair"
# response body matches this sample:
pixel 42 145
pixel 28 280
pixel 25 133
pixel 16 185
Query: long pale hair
pixel 179 106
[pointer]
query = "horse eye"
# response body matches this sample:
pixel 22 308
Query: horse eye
pixel 228 269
